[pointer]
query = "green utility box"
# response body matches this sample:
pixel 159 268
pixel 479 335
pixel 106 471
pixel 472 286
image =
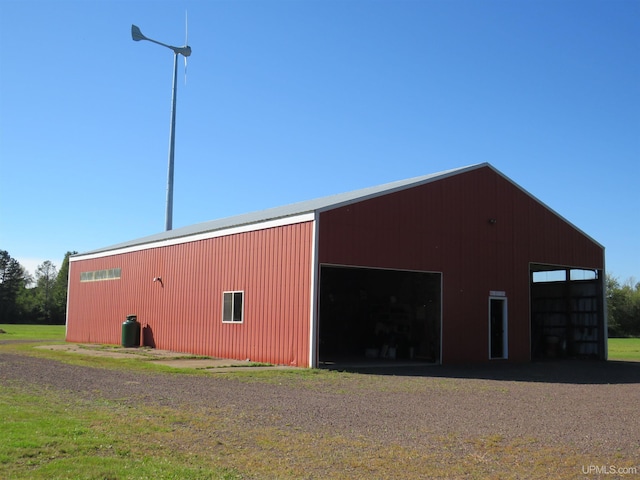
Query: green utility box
pixel 131 332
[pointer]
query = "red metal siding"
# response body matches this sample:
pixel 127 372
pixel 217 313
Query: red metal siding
pixel 184 313
pixel 444 227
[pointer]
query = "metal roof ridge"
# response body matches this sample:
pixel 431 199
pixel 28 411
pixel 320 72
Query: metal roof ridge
pixel 319 204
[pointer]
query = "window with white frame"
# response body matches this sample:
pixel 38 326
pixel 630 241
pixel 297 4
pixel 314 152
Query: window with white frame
pixel 233 307
pixel 99 275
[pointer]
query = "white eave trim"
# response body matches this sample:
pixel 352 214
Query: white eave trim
pixel 279 222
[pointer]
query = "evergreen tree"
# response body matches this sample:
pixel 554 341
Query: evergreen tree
pixel 12 280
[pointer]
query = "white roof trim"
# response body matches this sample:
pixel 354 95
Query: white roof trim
pixel 307 217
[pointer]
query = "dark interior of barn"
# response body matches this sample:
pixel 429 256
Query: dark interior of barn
pixel 379 315
pixel 567 313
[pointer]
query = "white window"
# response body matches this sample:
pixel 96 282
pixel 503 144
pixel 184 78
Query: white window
pixel 233 307
pixel 98 275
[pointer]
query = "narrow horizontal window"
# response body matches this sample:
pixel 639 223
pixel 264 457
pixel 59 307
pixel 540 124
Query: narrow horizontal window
pixel 99 275
pixel 232 307
pixel 549 276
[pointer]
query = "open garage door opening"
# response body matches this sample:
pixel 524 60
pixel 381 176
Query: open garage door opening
pixel 567 313
pixel 375 315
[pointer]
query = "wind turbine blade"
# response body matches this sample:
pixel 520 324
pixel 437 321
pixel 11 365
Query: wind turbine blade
pixel 186 43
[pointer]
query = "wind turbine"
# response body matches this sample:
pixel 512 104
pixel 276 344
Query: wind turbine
pixel 185 51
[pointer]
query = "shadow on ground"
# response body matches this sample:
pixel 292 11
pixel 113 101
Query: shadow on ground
pixel 585 372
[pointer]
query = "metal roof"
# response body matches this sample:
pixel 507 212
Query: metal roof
pixel 309 206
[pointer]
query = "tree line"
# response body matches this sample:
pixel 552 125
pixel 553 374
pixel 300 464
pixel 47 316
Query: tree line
pixel 623 307
pixel 43 299
pixel 26 299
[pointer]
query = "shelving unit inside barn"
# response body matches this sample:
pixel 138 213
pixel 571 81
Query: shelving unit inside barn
pixel 565 315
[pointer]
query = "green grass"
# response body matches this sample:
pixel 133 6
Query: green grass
pixel 624 349
pixel 52 435
pixel 33 332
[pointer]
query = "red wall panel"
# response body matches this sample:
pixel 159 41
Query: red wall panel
pixel 444 226
pixel 184 313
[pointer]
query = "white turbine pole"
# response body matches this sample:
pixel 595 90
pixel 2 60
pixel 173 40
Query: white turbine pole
pixel 168 222
pixel 185 51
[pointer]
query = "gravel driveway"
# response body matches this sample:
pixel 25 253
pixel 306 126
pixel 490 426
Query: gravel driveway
pixel 592 406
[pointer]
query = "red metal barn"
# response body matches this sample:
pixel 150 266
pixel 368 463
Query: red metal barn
pixel 458 266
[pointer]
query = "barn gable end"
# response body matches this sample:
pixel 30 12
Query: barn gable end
pixel 481 232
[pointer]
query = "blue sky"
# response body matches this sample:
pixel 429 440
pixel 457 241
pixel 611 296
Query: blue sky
pixel 292 100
